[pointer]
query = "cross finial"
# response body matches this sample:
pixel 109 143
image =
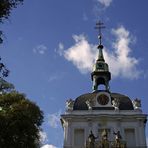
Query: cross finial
pixel 99 26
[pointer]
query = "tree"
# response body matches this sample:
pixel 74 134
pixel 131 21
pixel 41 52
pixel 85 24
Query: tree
pixel 5 10
pixel 4 85
pixel 3 70
pixel 20 121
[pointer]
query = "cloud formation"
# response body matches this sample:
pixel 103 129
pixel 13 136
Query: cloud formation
pixel 121 63
pixel 60 49
pixel 105 3
pixel 54 119
pixel 43 137
pixel 82 54
pixel 40 49
pixel 48 146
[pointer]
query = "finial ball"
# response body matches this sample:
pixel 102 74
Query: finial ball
pixel 100 46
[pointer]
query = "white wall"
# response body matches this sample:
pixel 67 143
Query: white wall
pixel 113 123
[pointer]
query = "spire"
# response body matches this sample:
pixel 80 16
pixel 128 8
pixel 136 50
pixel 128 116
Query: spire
pixel 100 55
pixel 100 74
pixel 99 26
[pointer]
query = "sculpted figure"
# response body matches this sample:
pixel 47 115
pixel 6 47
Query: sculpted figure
pixel 91 140
pixel 89 104
pixel 117 136
pixel 118 143
pixel 69 104
pixel 116 103
pixel 104 141
pixel 104 134
pixel 137 103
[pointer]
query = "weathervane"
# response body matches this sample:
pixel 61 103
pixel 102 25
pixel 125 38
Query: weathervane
pixel 99 26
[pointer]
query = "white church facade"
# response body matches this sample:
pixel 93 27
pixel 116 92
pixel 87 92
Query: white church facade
pixel 103 119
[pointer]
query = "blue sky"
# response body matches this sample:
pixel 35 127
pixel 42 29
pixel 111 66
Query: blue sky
pixel 50 46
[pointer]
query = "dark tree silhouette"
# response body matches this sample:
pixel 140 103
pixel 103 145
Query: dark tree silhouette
pixel 20 121
pixel 4 85
pixel 5 10
pixel 3 70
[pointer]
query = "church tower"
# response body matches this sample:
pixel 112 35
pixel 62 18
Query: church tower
pixel 103 119
pixel 100 74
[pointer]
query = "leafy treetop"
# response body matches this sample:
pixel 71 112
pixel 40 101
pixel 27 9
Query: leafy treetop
pixel 5 10
pixel 20 121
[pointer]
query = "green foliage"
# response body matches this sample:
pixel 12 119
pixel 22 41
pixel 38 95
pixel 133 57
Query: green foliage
pixel 20 121
pixel 4 72
pixel 6 6
pixel 5 10
pixel 5 86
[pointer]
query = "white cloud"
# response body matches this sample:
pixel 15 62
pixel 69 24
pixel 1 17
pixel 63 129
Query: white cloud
pixel 105 3
pixel 121 63
pixel 54 119
pixel 61 46
pixel 60 49
pixel 43 136
pixel 40 49
pixel 48 146
pixel 81 54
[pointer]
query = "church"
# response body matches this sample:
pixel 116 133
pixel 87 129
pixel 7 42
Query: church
pixel 102 118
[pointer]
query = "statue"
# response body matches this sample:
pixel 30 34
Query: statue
pixel 137 103
pixel 89 104
pixel 104 134
pixel 117 136
pixel 104 141
pixel 116 103
pixel 118 143
pixel 91 140
pixel 69 105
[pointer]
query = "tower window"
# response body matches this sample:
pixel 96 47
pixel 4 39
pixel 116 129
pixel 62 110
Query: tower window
pixel 99 66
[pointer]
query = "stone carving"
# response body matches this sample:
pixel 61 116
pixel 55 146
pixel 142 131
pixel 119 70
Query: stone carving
pixel 117 136
pixel 104 134
pixel 136 103
pixel 116 103
pixel 69 105
pixel 104 142
pixel 91 140
pixel 89 104
pixel 118 143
